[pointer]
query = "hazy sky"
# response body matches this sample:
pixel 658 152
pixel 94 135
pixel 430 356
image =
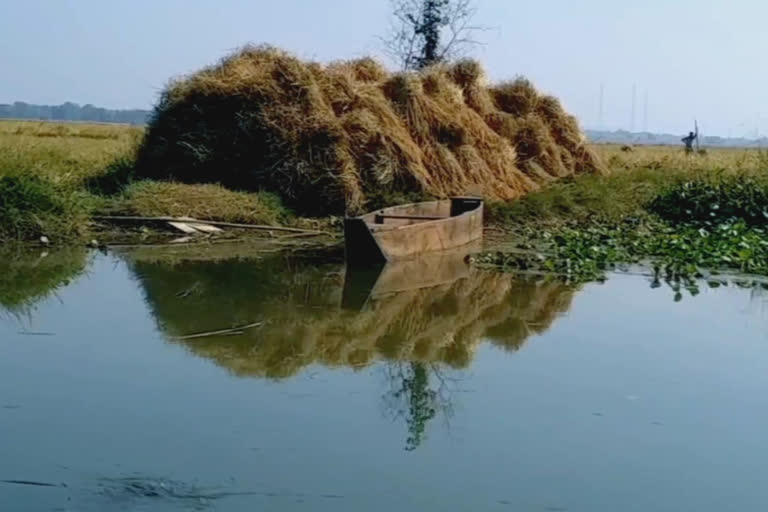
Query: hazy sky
pixel 702 59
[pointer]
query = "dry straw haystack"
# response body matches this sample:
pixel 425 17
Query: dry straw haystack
pixel 337 138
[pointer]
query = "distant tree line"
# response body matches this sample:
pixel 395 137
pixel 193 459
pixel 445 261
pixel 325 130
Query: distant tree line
pixel 72 112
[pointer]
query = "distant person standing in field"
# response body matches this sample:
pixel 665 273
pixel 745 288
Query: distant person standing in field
pixel 688 141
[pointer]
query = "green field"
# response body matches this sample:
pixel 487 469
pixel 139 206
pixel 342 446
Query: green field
pixel 55 176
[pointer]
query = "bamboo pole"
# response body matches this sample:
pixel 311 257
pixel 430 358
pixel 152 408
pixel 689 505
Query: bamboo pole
pixel 234 331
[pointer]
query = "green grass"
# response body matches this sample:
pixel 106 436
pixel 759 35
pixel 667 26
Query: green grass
pixel 43 171
pixel 54 177
pixel 629 189
pixel 683 223
pixel 31 207
pixel 33 204
pixel 577 199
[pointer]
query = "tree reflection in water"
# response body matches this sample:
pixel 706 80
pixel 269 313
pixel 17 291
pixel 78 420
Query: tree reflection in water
pixel 410 398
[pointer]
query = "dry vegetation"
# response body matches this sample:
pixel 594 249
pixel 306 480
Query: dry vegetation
pixel 63 153
pixel 338 138
pixel 674 159
pixel 61 130
pixel 207 202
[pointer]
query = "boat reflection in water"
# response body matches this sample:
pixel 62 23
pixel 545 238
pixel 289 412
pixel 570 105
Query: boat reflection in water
pixel 363 285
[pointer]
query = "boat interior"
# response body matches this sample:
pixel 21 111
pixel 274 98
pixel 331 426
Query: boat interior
pixel 409 214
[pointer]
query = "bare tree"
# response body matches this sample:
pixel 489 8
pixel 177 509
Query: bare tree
pixel 424 32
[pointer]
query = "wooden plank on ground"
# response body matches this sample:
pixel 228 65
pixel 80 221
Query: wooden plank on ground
pixel 183 227
pixel 205 228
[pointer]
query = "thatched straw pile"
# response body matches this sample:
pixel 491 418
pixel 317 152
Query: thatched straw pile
pixel 335 138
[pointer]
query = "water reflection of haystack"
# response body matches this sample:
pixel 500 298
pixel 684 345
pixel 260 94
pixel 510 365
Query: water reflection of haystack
pixel 303 324
pixel 445 323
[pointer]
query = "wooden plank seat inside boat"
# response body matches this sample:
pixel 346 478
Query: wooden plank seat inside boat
pixel 408 215
pixel 380 218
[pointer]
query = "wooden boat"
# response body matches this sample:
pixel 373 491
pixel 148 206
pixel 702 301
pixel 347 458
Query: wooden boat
pixel 406 231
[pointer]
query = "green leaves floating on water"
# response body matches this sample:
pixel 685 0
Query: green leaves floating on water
pixel 585 253
pixel 707 222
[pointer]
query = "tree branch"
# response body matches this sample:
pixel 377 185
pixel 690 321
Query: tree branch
pixel 426 31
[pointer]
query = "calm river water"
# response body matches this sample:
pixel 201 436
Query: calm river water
pixel 434 388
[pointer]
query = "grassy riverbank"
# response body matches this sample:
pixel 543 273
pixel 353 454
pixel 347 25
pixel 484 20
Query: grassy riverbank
pixel 680 213
pixel 43 170
pixel 55 177
pixel 686 217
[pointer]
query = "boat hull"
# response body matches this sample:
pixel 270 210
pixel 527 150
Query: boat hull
pixel 407 231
